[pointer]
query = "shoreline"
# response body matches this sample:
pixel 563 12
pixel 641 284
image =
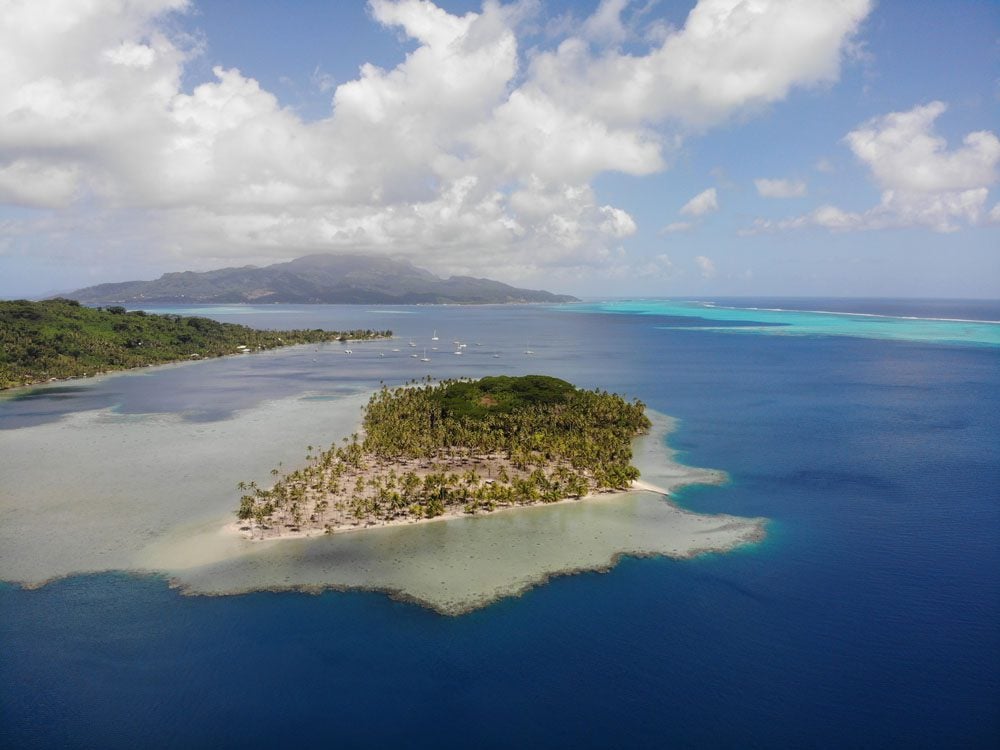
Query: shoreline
pixel 240 529
pixel 755 528
pixel 55 382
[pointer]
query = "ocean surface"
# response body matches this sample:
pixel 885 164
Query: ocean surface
pixel 866 431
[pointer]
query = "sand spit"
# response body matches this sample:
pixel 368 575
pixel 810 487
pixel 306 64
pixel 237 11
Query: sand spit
pixel 244 530
pixel 247 531
pixel 464 564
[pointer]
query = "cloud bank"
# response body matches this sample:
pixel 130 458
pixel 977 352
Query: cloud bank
pixel 466 154
pixel 924 183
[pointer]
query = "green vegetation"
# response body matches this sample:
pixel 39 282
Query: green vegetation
pixel 473 400
pixel 60 338
pixel 469 445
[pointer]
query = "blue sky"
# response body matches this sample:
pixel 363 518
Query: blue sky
pixel 653 148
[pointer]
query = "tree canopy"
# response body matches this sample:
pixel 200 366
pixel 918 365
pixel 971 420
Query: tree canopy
pixel 60 338
pixel 476 445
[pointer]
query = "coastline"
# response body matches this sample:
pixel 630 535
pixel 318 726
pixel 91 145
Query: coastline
pixel 241 529
pixel 6 390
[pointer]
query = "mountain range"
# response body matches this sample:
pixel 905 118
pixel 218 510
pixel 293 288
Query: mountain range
pixel 329 279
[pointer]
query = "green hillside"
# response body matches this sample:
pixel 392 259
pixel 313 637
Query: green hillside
pixel 60 338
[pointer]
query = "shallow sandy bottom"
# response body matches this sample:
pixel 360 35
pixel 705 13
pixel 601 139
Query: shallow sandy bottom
pixel 153 493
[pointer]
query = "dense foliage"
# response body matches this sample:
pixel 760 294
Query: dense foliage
pixel 465 400
pixel 476 445
pixel 532 419
pixel 60 338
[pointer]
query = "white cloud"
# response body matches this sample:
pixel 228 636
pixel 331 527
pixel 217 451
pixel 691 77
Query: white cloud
pixel 705 202
pixel 780 188
pixel 923 182
pixel 34 183
pixel 706 266
pixel 729 55
pixel 904 153
pixel 605 25
pixel 677 226
pixel 459 154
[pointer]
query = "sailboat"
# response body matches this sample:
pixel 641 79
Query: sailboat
pixel 527 349
pixel 435 336
pixel 425 358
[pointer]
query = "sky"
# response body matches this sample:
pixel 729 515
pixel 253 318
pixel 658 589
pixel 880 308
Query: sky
pixel 595 147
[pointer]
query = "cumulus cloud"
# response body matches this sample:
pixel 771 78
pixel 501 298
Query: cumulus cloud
pixel 462 153
pixel 35 183
pixel 904 153
pixel 705 202
pixel 923 181
pixel 728 56
pixel 605 25
pixel 706 266
pixel 780 188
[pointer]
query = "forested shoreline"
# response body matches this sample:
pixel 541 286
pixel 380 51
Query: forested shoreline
pixel 60 338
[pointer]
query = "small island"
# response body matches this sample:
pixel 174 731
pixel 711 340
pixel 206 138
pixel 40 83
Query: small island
pixel 454 448
pixel 60 338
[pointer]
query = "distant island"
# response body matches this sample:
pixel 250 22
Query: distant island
pixel 320 279
pixel 60 338
pixel 454 448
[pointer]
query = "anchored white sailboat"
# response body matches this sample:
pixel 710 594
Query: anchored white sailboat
pixel 434 337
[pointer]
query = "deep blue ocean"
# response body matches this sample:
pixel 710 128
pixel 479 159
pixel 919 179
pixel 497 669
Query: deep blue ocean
pixel 869 617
